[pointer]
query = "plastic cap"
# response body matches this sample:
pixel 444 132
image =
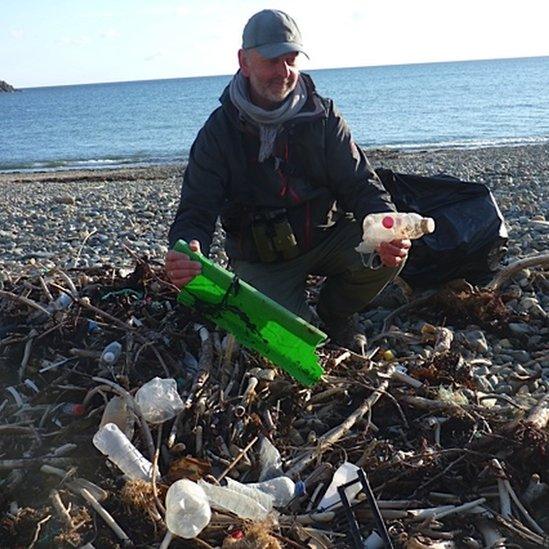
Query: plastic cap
pixel 428 224
pixel 388 222
pixel 108 356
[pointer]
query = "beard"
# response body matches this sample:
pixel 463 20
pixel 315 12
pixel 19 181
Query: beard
pixel 274 91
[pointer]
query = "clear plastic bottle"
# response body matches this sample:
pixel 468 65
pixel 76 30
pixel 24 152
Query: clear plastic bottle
pixel 159 400
pixel 387 226
pixel 281 489
pixel 111 353
pixel 117 411
pixel 112 442
pixel 226 499
pixel 187 509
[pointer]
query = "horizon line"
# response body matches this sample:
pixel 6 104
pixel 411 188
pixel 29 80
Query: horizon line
pixel 308 70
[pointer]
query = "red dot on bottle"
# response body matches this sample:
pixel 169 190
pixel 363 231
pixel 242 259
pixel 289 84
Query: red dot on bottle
pixel 388 222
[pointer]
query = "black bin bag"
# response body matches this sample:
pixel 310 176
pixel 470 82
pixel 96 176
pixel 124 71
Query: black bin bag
pixel 470 235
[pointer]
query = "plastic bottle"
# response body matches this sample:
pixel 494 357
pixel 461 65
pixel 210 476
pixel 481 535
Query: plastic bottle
pixel 116 411
pixel 111 352
pixel 226 499
pixel 187 509
pixel 281 489
pixel 159 400
pixel 93 327
pixel 112 442
pixel 387 226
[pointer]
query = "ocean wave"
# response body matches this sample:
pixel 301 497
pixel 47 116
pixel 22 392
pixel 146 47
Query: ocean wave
pixel 89 163
pixel 144 160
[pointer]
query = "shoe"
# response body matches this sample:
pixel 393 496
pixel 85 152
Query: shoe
pixel 346 333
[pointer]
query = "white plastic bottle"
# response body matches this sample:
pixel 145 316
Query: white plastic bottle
pixel 112 442
pixel 280 489
pixel 240 504
pixel 111 353
pixel 387 226
pixel 188 511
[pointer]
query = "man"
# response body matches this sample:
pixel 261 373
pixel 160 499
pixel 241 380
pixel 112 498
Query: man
pixel 278 163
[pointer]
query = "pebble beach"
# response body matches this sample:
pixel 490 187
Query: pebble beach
pixel 83 219
pixel 466 369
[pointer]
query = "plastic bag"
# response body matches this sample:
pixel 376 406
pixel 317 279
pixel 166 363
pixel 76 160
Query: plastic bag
pixel 470 235
pixel 159 400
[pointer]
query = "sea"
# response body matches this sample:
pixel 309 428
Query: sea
pixel 463 104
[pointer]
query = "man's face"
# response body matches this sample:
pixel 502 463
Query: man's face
pixel 271 80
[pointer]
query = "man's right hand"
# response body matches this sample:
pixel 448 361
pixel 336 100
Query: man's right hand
pixel 181 269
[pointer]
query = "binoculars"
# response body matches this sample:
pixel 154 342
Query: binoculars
pixel 273 236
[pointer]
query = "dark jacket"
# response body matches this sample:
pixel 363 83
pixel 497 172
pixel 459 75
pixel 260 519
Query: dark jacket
pixel 317 174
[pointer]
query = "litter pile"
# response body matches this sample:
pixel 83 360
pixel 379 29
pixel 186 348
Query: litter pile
pixel 430 440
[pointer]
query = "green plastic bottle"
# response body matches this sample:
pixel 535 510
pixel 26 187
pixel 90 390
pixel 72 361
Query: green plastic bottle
pixel 255 320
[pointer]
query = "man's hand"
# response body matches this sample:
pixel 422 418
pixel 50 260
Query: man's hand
pixel 181 269
pixel 394 253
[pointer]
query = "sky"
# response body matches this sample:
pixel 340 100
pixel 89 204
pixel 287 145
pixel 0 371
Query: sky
pixel 57 42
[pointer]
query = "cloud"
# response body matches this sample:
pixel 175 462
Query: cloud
pixel 18 34
pixel 111 34
pixel 182 10
pixel 77 41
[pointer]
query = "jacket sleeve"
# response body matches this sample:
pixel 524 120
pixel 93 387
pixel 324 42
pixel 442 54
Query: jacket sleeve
pixel 353 182
pixel 202 192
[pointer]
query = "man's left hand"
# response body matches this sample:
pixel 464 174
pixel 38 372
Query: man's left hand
pixel 394 253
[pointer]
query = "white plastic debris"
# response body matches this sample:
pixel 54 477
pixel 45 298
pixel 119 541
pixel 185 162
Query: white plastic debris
pixel 280 489
pixel 187 509
pixel 159 400
pixel 226 499
pixel 345 473
pixel 264 499
pixel 112 442
pixel 269 460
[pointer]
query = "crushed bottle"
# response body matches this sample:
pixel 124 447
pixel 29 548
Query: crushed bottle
pixel 187 509
pixel 387 226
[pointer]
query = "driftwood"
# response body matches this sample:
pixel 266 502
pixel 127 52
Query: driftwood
pixel 505 274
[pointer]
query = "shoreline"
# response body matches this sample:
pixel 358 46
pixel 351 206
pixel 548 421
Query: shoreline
pixel 162 169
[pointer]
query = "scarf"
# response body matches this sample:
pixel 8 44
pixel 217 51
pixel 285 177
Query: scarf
pixel 268 122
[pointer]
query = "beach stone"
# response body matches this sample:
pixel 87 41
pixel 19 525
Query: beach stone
pixel 505 344
pixel 66 199
pixel 504 388
pixel 521 370
pixel 481 371
pixel 476 340
pixel 526 303
pixel 519 328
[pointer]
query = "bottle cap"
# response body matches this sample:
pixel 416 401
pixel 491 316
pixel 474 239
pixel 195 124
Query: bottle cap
pixel 388 222
pixel 428 225
pixel 108 357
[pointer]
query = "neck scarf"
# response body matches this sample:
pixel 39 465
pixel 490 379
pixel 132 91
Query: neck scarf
pixel 268 122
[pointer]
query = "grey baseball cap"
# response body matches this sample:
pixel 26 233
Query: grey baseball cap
pixel 272 33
